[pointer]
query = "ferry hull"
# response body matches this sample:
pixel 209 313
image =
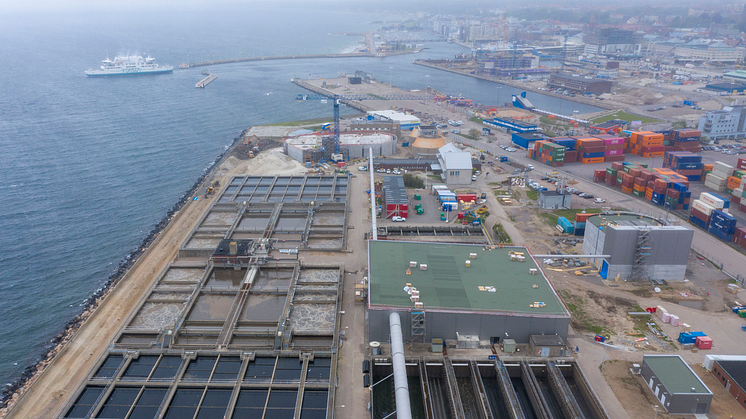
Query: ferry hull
pixel 134 73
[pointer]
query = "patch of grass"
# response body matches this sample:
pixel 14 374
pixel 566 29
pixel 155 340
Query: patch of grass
pixel 549 218
pixel 502 235
pixel 476 119
pixel 377 97
pixel 532 194
pixel 624 116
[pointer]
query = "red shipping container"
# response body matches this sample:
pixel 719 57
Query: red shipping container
pixel 703 342
pixel 741 163
pixel 690 172
pixel 581 218
pixel 640 181
pixel 673 193
pixel 617 166
pixel 740 237
pixel 735 199
pixel 634 171
pixel 700 215
pixel 615 146
pixel 653 149
pixel 594 149
pixel 617 158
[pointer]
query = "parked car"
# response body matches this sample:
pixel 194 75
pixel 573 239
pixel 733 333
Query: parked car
pixel 398 219
pixel 362 168
pixel 473 178
pixel 588 196
pixel 600 200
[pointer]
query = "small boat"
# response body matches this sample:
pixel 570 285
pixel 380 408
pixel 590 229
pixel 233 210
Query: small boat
pixel 206 72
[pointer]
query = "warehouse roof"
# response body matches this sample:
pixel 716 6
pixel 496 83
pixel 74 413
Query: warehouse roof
pixel 454 159
pixel 736 370
pixel 449 284
pixel 675 374
pixel 622 220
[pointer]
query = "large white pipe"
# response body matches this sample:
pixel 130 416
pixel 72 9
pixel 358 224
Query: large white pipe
pixel 403 409
pixel 374 227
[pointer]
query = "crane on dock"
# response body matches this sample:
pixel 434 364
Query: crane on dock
pixel 337 99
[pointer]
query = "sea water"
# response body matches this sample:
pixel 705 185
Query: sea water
pixel 88 166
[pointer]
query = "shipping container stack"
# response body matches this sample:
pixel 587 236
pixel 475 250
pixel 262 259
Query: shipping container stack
pixel 614 147
pixel 580 220
pixel 646 144
pixel 590 150
pixel 684 163
pixel 722 225
pixel 686 140
pixel 571 155
pixel 733 183
pixel 547 152
pixel 704 207
pixel 718 177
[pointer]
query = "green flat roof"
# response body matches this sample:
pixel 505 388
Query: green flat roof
pixel 675 374
pixel 449 284
pixel 623 220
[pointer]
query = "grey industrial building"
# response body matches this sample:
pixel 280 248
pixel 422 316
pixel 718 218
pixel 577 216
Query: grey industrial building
pixel 467 292
pixel 554 199
pixel 639 247
pixel 675 385
pixel 455 165
pixel 315 146
pixel 579 84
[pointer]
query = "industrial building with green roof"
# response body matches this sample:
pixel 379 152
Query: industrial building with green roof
pixel 675 385
pixel 493 297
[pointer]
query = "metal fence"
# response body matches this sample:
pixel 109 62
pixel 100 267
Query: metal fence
pixel 723 266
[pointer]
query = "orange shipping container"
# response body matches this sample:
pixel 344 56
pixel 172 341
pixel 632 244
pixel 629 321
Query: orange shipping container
pixel 626 189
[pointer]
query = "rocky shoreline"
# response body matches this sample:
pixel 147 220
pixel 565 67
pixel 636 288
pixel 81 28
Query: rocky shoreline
pixel 14 390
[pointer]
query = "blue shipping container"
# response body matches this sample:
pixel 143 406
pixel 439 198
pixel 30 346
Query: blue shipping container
pixel 697 222
pixel 694 178
pixel 579 231
pixel 720 235
pixel 690 337
pixel 689 166
pixel 593 155
pixel 724 217
pixel 565 224
pixel 679 187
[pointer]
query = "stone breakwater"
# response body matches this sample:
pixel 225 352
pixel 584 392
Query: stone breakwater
pixel 14 390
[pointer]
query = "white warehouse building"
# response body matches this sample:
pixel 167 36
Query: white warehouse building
pixel 314 147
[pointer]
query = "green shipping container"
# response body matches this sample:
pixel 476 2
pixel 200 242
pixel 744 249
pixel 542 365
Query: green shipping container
pixel 420 211
pixel 640 194
pixel 417 197
pixel 611 171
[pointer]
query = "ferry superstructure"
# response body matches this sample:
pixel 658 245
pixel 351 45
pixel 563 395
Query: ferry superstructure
pixel 129 65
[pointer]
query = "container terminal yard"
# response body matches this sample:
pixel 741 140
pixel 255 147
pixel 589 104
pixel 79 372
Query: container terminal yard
pixel 266 297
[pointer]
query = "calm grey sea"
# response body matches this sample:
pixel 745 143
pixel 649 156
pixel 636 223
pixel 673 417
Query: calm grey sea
pixel 89 166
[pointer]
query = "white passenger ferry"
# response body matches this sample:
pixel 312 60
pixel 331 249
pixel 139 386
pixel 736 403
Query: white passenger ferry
pixel 129 65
